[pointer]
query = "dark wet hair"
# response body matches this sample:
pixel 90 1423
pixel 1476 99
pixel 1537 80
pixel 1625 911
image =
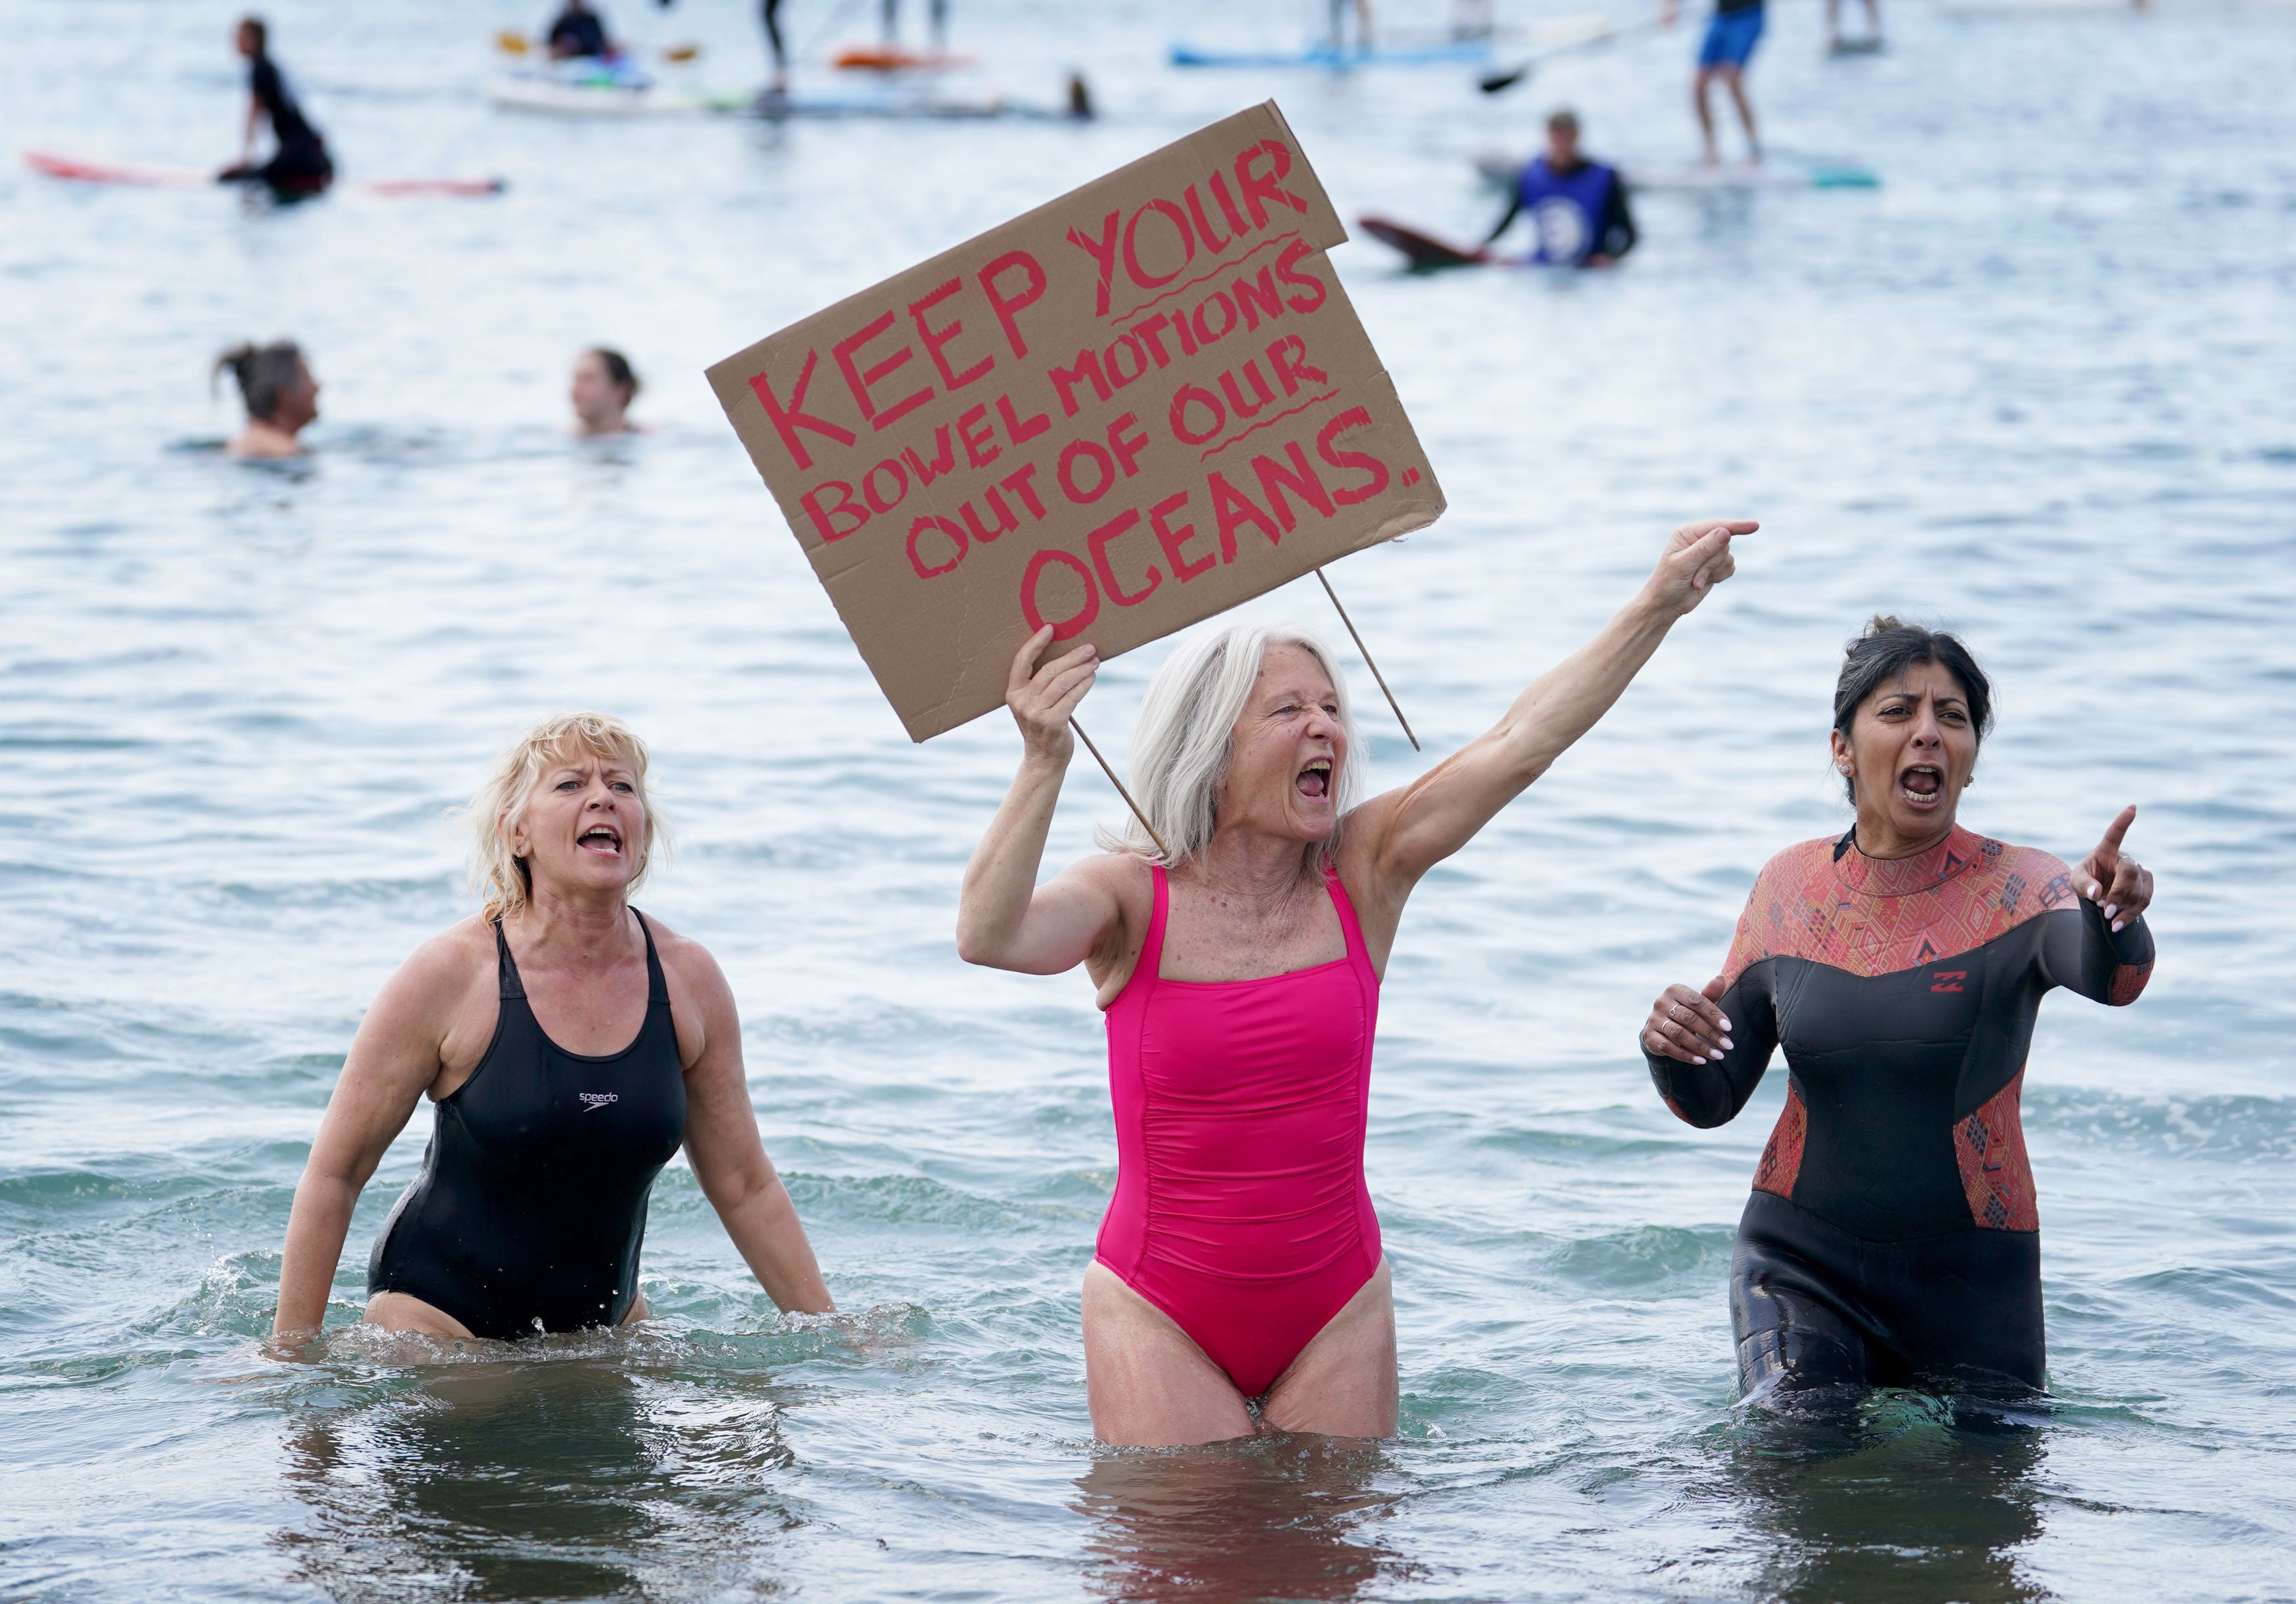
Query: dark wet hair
pixel 619 374
pixel 1884 652
pixel 254 25
pixel 1563 121
pixel 262 373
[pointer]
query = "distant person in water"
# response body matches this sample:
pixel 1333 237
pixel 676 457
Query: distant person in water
pixel 280 395
pixel 299 166
pixel 1577 206
pixel 604 385
pixel 1722 57
pixel 569 1047
pixel 578 32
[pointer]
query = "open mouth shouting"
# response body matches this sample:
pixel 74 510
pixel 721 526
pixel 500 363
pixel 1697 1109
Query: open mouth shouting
pixel 1315 780
pixel 603 840
pixel 1921 785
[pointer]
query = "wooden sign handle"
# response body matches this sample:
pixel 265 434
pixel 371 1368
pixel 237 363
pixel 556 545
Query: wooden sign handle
pixel 1375 673
pixel 1120 791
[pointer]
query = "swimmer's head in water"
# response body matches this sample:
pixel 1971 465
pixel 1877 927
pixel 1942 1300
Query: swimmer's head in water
pixel 604 386
pixel 1910 710
pixel 585 758
pixel 1246 722
pixel 274 381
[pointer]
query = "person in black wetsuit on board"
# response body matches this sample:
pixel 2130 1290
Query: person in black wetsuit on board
pixel 578 32
pixel 553 1112
pixel 299 166
pixel 1891 1239
pixel 1577 206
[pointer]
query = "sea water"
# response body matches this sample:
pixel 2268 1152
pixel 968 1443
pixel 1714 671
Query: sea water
pixel 2037 386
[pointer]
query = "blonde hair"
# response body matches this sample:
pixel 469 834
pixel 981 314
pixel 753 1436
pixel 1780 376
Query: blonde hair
pixel 502 879
pixel 1185 739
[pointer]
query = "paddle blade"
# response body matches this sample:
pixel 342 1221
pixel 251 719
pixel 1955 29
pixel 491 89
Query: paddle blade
pixel 1491 83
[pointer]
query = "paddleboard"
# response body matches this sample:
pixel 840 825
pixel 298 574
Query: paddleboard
pixel 1424 251
pixel 894 57
pixel 81 170
pixel 891 101
pixel 539 92
pixel 1451 53
pixel 1500 171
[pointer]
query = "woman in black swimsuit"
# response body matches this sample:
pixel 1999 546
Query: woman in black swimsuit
pixel 555 1112
pixel 1892 1238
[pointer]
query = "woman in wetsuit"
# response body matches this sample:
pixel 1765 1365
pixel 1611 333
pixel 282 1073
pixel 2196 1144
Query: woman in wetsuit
pixel 570 1046
pixel 299 166
pixel 1239 1264
pixel 1891 1238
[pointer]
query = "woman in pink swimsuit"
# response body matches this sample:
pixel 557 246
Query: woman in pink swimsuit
pixel 1239 1270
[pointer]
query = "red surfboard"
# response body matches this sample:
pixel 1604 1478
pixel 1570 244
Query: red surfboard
pixel 1424 251
pixel 79 170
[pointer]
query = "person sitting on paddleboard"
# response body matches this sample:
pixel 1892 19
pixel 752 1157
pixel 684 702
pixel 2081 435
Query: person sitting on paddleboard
pixel 301 165
pixel 1577 206
pixel 1722 56
pixel 578 32
pixel 281 395
pixel 604 386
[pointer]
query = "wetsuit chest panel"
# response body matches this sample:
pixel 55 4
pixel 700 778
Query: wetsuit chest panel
pixel 529 1211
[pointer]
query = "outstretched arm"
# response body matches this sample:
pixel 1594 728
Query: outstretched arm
pixel 729 1160
pixel 2107 955
pixel 1513 210
pixel 1410 831
pixel 1004 919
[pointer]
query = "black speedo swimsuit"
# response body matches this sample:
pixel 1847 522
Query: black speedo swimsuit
pixel 531 1206
pixel 1891 1239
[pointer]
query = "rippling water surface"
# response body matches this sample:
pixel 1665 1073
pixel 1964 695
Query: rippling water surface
pixel 2037 386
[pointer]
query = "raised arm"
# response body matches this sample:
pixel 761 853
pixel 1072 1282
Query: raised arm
pixel 394 1056
pixel 1004 919
pixel 1408 831
pixel 729 1160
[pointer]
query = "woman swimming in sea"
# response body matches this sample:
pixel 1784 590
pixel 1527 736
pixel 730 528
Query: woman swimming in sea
pixel 281 396
pixel 553 1110
pixel 1239 1265
pixel 1891 1239
pixel 604 385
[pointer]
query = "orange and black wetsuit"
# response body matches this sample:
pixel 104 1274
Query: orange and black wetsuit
pixel 1891 1238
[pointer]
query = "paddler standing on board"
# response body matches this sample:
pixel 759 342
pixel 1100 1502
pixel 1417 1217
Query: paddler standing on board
pixel 1722 56
pixel 1576 206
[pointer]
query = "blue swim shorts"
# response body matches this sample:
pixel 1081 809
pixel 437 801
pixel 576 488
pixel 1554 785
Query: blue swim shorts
pixel 1731 38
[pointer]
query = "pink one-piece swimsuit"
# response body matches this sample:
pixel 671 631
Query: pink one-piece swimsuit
pixel 1240 1208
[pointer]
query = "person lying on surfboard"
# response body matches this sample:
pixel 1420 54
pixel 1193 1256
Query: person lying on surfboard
pixel 1577 206
pixel 301 165
pixel 280 395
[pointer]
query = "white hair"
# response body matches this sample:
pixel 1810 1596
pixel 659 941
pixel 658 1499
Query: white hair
pixel 1185 737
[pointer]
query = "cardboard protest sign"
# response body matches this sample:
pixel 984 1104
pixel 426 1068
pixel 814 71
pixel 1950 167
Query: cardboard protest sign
pixel 1120 413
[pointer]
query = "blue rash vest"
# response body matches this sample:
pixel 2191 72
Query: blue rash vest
pixel 1577 214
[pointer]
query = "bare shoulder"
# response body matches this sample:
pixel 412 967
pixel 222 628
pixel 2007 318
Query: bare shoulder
pixel 446 966
pixel 687 963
